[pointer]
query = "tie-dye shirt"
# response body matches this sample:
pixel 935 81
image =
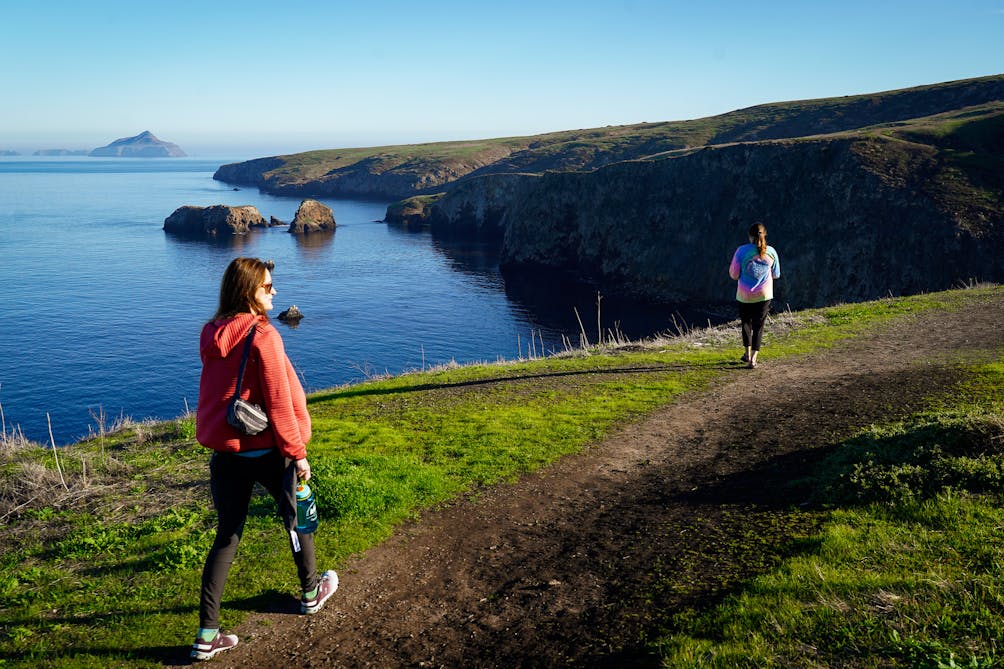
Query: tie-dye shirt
pixel 755 274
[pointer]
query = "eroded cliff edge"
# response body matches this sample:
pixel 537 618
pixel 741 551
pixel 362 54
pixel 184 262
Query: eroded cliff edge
pixel 855 216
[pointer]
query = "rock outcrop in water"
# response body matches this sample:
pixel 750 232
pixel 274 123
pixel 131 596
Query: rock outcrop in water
pixel 312 216
pixel 291 315
pixel 213 221
pixel 143 145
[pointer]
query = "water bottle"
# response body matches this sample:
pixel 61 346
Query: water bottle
pixel 306 509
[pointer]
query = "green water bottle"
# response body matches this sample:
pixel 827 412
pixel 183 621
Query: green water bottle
pixel 306 509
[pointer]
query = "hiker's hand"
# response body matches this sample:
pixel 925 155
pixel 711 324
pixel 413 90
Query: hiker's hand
pixel 303 469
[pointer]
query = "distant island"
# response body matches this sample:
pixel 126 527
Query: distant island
pixel 8 152
pixel 143 145
pixel 61 152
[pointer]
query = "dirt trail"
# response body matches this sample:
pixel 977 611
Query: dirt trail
pixel 553 570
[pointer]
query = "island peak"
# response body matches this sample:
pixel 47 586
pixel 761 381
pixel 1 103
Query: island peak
pixel 143 145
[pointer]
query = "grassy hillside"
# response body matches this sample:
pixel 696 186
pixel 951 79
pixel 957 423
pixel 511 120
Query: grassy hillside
pixel 418 168
pixel 955 158
pixel 904 572
pixel 102 542
pixel 971 147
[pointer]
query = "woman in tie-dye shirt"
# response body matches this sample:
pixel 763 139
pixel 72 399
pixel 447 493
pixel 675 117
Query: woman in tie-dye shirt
pixel 754 266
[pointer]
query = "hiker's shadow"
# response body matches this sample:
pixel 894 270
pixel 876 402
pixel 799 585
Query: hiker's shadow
pixel 270 601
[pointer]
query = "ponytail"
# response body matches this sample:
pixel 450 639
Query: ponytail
pixel 758 236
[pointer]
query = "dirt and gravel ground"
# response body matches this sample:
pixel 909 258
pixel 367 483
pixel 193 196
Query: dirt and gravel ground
pixel 557 569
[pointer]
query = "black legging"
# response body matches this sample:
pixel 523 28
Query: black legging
pixel 753 315
pixel 232 479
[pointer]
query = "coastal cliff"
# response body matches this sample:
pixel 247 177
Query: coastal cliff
pixel 855 216
pixel 477 208
pixel 397 172
pixel 249 172
pixel 896 192
pixel 384 173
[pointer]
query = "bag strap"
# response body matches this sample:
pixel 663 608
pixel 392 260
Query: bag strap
pixel 244 359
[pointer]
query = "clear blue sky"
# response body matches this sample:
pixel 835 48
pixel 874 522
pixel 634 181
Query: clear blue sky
pixel 273 77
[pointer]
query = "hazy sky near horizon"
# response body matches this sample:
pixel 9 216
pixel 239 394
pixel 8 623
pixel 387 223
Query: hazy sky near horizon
pixel 266 77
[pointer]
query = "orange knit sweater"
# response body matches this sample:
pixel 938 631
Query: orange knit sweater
pixel 269 381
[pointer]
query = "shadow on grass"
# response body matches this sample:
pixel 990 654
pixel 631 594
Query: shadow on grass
pixel 724 516
pixel 270 601
pixel 421 387
pixel 923 459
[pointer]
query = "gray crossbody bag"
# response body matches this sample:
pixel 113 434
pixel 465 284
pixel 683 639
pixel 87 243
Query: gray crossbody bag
pixel 245 417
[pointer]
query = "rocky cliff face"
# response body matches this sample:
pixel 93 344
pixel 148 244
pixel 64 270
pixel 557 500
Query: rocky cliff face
pixel 852 218
pixel 477 207
pixel 249 173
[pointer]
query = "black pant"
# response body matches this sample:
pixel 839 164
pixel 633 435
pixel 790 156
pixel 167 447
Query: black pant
pixel 753 315
pixel 232 479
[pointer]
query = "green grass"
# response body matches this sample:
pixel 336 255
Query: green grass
pixel 906 571
pixel 314 164
pixel 105 570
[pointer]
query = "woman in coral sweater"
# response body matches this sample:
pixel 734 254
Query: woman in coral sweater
pixel 274 458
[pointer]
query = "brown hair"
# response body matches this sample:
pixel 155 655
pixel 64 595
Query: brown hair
pixel 758 236
pixel 241 281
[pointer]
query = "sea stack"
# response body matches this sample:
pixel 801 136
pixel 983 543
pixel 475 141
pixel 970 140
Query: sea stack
pixel 312 216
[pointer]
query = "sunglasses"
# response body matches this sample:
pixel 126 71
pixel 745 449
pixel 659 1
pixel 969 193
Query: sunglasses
pixel 267 287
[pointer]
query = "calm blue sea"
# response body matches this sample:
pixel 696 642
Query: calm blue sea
pixel 101 310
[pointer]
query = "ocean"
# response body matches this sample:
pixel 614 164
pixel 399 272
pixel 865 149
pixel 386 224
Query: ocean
pixel 102 309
